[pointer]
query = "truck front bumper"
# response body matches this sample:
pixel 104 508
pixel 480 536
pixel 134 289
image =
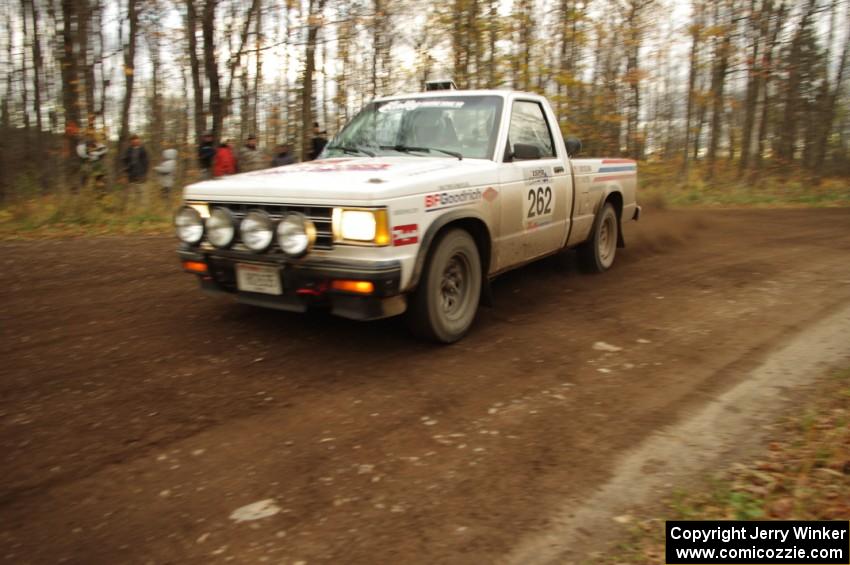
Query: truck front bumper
pixel 306 284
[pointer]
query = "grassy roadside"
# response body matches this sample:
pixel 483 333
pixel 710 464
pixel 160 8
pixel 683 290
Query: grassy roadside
pixel 50 217
pixel 802 473
pixel 662 184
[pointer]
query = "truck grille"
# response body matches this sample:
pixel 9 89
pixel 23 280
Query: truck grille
pixel 321 216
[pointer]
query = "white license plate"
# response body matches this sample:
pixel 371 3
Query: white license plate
pixel 258 278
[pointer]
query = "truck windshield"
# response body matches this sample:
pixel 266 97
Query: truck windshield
pixel 450 126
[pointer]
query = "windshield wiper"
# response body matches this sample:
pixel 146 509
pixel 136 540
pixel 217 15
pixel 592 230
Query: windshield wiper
pixel 408 149
pixel 355 150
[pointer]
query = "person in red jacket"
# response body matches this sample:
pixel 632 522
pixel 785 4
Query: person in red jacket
pixel 224 162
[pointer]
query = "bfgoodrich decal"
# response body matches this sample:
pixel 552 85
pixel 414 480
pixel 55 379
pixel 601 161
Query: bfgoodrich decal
pixel 443 200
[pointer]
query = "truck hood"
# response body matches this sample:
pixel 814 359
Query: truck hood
pixel 346 180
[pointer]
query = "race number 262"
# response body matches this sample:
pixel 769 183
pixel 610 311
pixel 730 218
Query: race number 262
pixel 539 201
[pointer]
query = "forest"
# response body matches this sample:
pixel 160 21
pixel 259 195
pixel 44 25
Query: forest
pixel 743 89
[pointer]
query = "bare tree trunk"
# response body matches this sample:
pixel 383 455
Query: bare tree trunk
pixel 764 120
pixel 759 28
pixel 70 92
pixel 634 37
pixel 211 67
pixel 258 72
pixel 236 62
pixel 5 112
pixel 475 44
pixel 827 111
pixel 156 122
pixel 24 93
pixel 718 82
pixel 104 80
pixel 492 31
pixel 325 81
pixel 314 15
pixel 343 46
pixel 129 78
pixel 786 148
pixel 185 144
pixel 696 33
pixel 37 69
pixel 526 34
pixel 377 39
pixel 564 61
pixel 86 56
pixel 197 87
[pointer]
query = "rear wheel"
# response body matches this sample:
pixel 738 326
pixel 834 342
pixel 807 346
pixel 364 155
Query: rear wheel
pixel 446 301
pixel 597 253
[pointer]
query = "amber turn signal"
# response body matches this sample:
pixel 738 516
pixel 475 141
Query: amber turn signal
pixel 195 267
pixel 357 287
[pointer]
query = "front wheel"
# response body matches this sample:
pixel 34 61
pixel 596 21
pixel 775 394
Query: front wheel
pixel 597 253
pixel 446 301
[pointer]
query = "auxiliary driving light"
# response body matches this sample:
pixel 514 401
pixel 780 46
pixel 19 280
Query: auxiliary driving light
pixel 189 225
pixel 257 231
pixel 221 229
pixel 296 234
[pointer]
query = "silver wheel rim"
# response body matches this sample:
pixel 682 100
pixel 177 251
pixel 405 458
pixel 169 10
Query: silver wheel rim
pixel 607 241
pixel 455 287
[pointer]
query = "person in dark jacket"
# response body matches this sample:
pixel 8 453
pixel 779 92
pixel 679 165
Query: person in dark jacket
pixel 225 161
pixel 206 154
pixel 136 160
pixel 282 156
pixel 318 142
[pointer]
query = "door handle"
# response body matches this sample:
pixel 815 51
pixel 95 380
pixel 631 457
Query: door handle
pixel 559 169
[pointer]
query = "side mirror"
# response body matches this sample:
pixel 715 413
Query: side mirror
pixel 526 152
pixel 573 146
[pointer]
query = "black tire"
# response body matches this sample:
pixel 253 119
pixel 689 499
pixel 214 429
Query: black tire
pixel 446 301
pixel 597 253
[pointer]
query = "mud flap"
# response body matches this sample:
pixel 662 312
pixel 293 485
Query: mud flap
pixel 486 298
pixel 620 241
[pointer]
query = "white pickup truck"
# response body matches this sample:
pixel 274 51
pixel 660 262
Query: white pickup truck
pixel 413 207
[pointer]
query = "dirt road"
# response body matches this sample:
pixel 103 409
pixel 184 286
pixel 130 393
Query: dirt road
pixel 136 414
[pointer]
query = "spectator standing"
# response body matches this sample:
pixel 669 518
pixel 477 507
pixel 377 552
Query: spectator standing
pixel 206 154
pixel 250 157
pixel 317 145
pixel 91 152
pixel 283 156
pixel 165 172
pixel 224 162
pixel 136 160
pixel 136 167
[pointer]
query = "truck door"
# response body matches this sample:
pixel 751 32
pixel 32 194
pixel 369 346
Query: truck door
pixel 536 188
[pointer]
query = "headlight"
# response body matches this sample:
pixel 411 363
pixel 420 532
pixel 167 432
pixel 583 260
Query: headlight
pixel 189 225
pixel 361 226
pixel 257 231
pixel 220 228
pixel 296 235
